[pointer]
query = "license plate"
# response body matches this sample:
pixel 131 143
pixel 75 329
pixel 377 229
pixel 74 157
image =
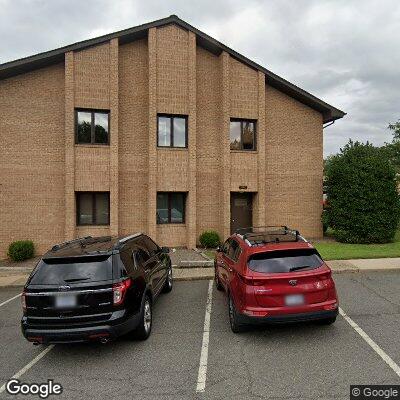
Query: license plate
pixel 66 301
pixel 294 300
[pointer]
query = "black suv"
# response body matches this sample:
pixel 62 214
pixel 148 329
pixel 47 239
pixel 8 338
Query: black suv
pixel 95 288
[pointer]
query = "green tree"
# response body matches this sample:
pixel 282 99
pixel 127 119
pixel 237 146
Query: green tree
pixel 364 204
pixel 396 130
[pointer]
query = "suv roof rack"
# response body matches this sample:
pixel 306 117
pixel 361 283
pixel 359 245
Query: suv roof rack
pixel 68 242
pixel 258 235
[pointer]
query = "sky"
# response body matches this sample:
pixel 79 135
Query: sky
pixel 346 52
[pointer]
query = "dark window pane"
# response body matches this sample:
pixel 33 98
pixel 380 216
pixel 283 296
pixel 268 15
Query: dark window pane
pixel 149 245
pixel 177 208
pixel 85 211
pixel 283 261
pixel 84 127
pixel 162 208
pixel 225 247
pixel 233 249
pixel 164 131
pixel 102 208
pixel 235 135
pixel 179 132
pixel 97 269
pixel 248 136
pixel 101 127
pixel 142 256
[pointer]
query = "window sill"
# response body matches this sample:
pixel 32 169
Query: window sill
pixel 172 148
pixel 92 145
pixel 93 226
pixel 245 151
pixel 183 224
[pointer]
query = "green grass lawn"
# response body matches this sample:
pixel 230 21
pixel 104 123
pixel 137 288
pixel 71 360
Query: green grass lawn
pixel 331 250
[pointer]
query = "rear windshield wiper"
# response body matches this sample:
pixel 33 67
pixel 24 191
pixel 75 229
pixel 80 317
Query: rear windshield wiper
pixel 297 268
pixel 76 279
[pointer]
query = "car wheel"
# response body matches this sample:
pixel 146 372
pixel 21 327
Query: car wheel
pixel 168 282
pixel 217 282
pixel 143 331
pixel 327 321
pixel 236 327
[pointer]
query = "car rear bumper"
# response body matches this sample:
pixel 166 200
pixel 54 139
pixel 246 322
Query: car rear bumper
pixel 288 318
pixel 52 335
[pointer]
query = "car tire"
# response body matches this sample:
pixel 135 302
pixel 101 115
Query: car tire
pixel 217 282
pixel 168 282
pixel 236 326
pixel 327 321
pixel 142 332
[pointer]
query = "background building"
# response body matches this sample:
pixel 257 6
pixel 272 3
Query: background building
pixel 157 128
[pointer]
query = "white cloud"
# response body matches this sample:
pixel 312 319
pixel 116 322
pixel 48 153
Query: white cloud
pixel 345 52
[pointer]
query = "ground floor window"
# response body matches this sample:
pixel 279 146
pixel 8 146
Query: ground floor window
pixel 93 208
pixel 171 207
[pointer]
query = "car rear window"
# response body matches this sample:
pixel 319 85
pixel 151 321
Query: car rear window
pixel 66 271
pixel 285 261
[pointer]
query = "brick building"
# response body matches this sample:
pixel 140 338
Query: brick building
pixel 158 128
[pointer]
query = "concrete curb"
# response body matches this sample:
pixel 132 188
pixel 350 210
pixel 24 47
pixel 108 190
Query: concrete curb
pixel 195 264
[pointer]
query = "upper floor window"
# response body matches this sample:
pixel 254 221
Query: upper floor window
pixel 92 127
pixel 172 131
pixel 93 208
pixel 243 134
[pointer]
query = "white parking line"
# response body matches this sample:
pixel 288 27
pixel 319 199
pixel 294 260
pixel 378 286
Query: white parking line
pixel 374 346
pixel 7 301
pixel 29 365
pixel 202 376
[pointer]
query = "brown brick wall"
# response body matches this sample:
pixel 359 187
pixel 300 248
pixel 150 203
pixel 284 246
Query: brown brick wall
pixel 172 70
pixel 92 168
pixel 164 73
pixel 293 164
pixel 92 77
pixel 133 136
pixel 209 114
pixel 32 158
pixel 172 97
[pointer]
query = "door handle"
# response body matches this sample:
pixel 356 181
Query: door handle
pixel 230 269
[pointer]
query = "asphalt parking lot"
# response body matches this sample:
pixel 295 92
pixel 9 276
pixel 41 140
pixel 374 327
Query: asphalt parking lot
pixel 304 361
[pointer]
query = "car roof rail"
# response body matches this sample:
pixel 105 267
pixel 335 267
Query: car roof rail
pixel 68 242
pixel 258 235
pixel 125 239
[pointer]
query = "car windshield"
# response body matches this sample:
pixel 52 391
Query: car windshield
pixel 285 261
pixel 63 272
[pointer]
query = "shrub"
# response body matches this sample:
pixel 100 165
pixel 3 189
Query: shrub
pixel 209 239
pixel 362 194
pixel 21 250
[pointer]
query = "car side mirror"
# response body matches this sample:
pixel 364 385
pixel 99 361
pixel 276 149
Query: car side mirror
pixel 219 249
pixel 165 250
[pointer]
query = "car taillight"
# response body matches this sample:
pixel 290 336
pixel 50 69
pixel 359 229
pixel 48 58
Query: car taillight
pixel 119 291
pixel 23 300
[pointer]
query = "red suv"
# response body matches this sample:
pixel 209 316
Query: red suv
pixel 273 275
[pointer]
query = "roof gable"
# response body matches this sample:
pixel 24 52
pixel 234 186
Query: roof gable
pixel 40 60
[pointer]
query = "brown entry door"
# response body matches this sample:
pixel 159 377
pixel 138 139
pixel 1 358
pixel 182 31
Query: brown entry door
pixel 241 210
